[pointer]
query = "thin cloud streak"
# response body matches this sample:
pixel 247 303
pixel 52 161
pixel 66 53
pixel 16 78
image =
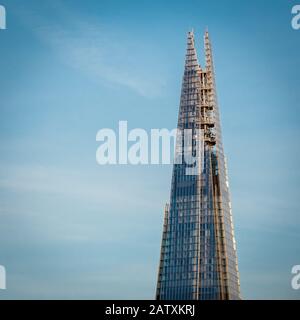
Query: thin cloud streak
pixel 40 179
pixel 95 51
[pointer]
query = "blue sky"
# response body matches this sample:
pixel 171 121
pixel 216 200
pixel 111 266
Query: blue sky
pixel 73 229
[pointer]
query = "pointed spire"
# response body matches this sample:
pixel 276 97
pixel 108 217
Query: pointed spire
pixel 208 51
pixel 191 61
pixel 213 94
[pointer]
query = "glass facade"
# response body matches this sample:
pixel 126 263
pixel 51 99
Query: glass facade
pixel 198 255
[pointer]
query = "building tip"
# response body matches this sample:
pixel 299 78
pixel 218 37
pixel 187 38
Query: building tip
pixel 191 32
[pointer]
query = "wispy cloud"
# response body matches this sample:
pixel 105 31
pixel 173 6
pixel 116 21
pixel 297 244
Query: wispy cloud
pixel 47 180
pixel 106 55
pixel 68 207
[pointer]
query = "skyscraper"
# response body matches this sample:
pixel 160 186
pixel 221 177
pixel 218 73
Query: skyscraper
pixel 198 253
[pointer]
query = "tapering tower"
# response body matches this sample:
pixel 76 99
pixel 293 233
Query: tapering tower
pixel 198 254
